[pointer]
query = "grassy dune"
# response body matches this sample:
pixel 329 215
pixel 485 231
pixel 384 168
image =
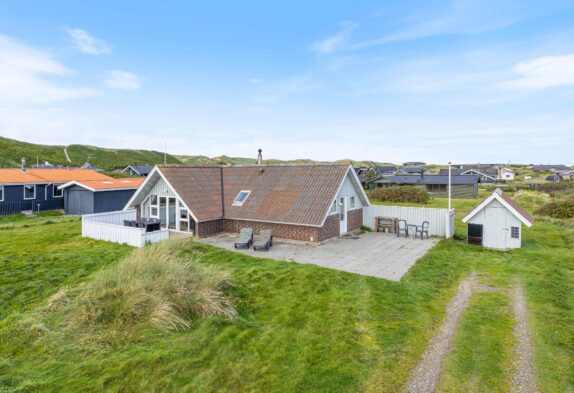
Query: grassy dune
pixel 299 328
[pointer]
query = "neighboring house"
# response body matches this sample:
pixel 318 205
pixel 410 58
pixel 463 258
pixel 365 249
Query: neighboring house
pixel 386 169
pixel 308 203
pixel 90 167
pixel 98 196
pixel 408 171
pixel 462 186
pixel 550 168
pixel 33 189
pixel 485 175
pixel 47 165
pixel 497 222
pixel 414 163
pixel 138 170
pixel 506 174
pixel 566 175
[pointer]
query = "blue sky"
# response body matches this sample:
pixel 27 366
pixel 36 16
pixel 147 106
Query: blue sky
pixel 475 80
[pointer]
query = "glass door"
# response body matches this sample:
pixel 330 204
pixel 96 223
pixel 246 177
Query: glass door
pixel 171 222
pixel 163 211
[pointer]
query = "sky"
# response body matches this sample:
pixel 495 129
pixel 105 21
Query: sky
pixel 434 81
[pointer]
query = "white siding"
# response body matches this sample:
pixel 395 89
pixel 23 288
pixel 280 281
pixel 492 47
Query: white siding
pixel 496 221
pixel 441 221
pixel 160 188
pixel 348 190
pixel 110 227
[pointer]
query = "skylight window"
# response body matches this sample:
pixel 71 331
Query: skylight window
pixel 241 197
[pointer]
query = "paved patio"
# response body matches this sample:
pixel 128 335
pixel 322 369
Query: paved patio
pixel 372 254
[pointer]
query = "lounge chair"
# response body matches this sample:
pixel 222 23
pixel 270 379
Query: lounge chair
pixel 422 230
pixel 402 227
pixel 265 240
pixel 245 238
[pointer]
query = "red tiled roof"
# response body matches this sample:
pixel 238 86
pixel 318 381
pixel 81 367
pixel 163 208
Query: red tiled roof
pixel 295 194
pixel 13 175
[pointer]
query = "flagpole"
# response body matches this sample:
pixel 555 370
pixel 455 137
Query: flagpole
pixel 449 183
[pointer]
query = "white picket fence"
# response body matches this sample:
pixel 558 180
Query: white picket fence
pixel 441 221
pixel 110 227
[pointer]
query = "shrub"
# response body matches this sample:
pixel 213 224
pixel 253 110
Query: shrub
pixel 152 286
pixel 408 194
pixel 558 209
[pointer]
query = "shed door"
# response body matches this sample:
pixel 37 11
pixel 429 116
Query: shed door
pixel 475 234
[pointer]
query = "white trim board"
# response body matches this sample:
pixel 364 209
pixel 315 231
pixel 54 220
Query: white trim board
pixel 499 198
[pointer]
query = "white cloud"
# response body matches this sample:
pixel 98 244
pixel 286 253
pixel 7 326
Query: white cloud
pixel 123 80
pixel 542 73
pixel 332 43
pixel 26 76
pixel 86 43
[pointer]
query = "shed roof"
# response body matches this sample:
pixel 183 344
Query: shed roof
pixel 40 176
pixel 143 170
pixel 507 202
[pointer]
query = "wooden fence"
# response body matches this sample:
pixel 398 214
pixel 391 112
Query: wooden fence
pixel 441 221
pixel 110 227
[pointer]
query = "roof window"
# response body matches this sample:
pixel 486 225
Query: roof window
pixel 241 197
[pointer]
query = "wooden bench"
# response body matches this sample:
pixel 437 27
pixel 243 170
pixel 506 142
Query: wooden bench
pixel 386 224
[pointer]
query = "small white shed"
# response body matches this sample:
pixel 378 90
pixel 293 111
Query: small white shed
pixel 497 222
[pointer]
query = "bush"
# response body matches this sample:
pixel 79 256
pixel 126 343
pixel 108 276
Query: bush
pixel 408 194
pixel 554 187
pixel 154 286
pixel 558 209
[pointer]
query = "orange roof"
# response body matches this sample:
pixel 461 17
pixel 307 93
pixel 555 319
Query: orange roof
pixel 13 175
pixel 109 184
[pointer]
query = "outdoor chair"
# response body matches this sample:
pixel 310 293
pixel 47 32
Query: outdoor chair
pixel 265 240
pixel 422 230
pixel 245 238
pixel 402 228
pixel 140 224
pixel 126 223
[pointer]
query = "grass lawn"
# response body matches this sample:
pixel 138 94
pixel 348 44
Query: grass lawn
pixel 300 328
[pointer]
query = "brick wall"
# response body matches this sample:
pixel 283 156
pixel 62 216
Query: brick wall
pixel 280 231
pixel 330 229
pixel 209 228
pixel 354 219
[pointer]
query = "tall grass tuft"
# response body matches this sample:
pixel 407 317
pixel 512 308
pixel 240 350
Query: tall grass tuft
pixel 154 285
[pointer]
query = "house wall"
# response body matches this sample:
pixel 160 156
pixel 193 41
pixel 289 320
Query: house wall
pixel 209 228
pixel 457 191
pixel 44 196
pixel 497 221
pixel 109 201
pixel 280 231
pixel 160 188
pixel 355 219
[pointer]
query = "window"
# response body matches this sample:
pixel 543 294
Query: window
pixel 56 192
pixel 241 198
pixel 29 192
pixel 153 208
pixel 436 187
pixel 1 194
pixel 334 207
pixel 515 232
pixel 352 202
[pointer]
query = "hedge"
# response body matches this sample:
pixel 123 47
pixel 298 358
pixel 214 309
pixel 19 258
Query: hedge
pixel 557 209
pixel 407 194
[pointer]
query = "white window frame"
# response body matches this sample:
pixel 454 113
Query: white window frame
pixel 240 203
pixel 352 202
pixel 2 198
pixel 54 188
pixel 152 206
pixel 333 209
pixel 24 192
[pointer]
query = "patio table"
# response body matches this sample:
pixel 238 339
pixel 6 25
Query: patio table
pixel 412 228
pixel 150 224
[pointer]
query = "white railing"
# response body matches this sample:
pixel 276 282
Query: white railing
pixel 441 221
pixel 110 227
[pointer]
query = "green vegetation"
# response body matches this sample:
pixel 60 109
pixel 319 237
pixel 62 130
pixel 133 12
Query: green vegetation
pixel 402 194
pixel 480 358
pixel 558 209
pixel 12 151
pixel 299 328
